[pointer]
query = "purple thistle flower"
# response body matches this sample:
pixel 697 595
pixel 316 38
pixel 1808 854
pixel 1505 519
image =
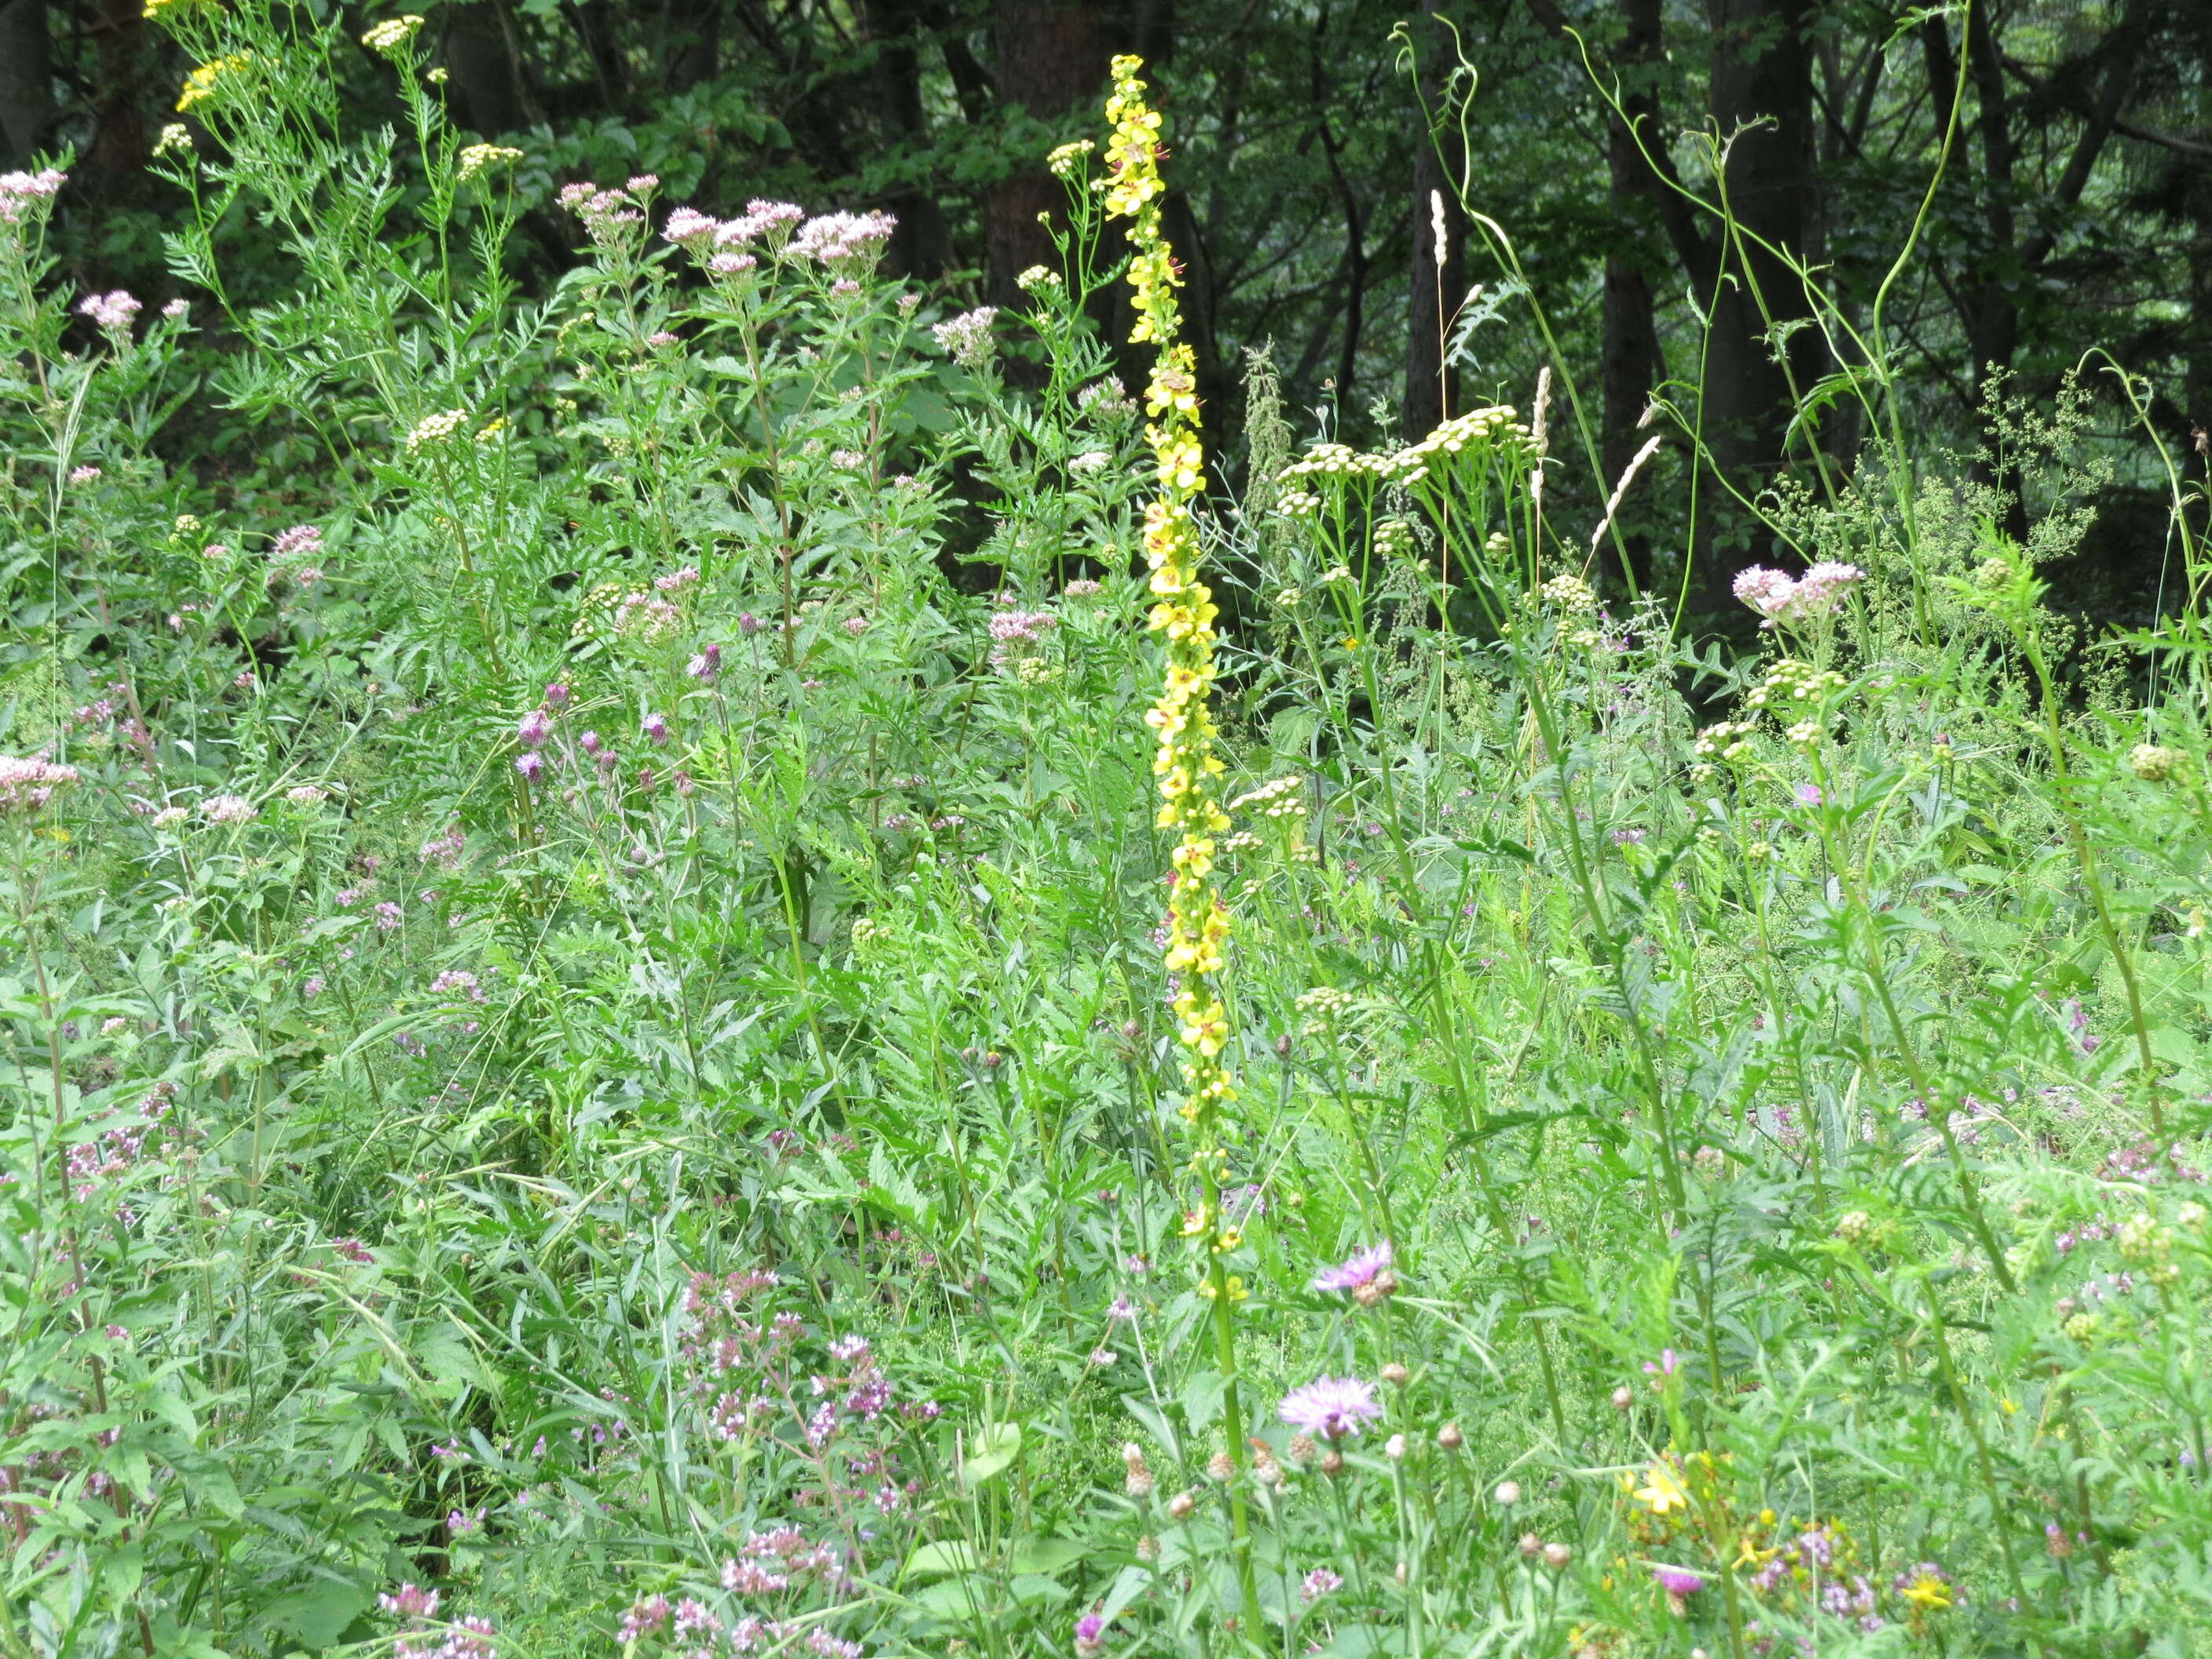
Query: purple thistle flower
pixel 656 729
pixel 1330 1407
pixel 530 765
pixel 556 695
pixel 533 729
pixel 1363 1271
pixel 1667 1365
pixel 1676 1582
pixel 1090 1635
pixel 1808 794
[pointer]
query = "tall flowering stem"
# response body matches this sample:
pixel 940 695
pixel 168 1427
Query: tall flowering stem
pixel 1186 764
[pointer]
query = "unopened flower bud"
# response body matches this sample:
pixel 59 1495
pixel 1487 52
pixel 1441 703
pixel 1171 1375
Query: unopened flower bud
pixel 1377 1291
pixel 1140 1482
pixel 1508 1493
pixel 1450 1438
pixel 1148 1548
pixel 1559 1557
pixel 1181 1505
pixel 1302 1449
pixel 1332 1462
pixel 1219 1468
pixel 1623 1398
pixel 1394 1448
pixel 1531 1545
pixel 1394 1372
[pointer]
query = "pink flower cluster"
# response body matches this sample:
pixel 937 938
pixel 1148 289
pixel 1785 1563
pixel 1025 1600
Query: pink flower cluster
pixel 846 244
pixel 415 1608
pixel 967 338
pixel 123 1148
pixel 25 196
pixel 779 1559
pixel 27 785
pixel 607 215
pixel 292 554
pixel 1018 633
pixel 1780 598
pixel 110 313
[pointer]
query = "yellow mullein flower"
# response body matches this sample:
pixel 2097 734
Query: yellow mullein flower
pixel 1662 1491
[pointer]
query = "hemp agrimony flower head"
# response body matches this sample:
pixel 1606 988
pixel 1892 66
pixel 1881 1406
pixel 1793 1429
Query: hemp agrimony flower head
pixel 111 313
pixel 27 785
pixel 967 338
pixel 845 244
pixel 27 197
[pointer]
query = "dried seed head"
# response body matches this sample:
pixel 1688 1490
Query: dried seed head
pixel 1332 1462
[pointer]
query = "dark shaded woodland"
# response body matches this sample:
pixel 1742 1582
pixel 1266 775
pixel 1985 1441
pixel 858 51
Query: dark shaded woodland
pixel 2073 212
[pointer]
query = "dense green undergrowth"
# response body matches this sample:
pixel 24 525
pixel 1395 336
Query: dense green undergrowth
pixel 590 1065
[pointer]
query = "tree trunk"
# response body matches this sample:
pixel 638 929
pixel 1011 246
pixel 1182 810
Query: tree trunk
pixel 923 245
pixel 483 58
pixel 1630 338
pixel 119 122
pixel 1439 266
pixel 1762 102
pixel 27 80
pixel 1052 57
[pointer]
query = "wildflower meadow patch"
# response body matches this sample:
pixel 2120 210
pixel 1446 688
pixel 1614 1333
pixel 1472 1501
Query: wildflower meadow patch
pixel 753 966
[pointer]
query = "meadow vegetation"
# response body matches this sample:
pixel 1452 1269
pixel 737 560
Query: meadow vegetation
pixel 739 968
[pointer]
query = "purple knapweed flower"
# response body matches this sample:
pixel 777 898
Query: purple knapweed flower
pixel 1330 1407
pixel 1366 1274
pixel 1089 1636
pixel 533 729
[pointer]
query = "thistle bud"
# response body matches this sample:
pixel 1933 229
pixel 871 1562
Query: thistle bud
pixel 1448 1438
pixel 1140 1483
pixel 1181 1505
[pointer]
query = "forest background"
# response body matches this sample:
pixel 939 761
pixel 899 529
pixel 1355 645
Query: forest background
pixel 2075 211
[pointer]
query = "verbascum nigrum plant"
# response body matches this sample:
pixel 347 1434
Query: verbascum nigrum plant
pixel 1182 719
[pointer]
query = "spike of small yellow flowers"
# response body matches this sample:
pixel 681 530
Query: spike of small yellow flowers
pixel 1180 720
pixel 1662 1491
